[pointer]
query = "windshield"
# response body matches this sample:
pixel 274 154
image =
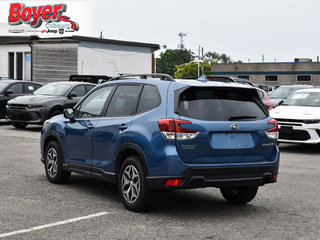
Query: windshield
pixel 310 99
pixel 283 92
pixel 54 89
pixel 3 86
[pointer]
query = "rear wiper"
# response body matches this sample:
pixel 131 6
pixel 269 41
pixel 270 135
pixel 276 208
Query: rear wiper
pixel 240 117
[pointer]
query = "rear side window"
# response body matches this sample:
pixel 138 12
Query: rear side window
pixel 220 104
pixel 124 101
pixel 30 88
pixel 150 99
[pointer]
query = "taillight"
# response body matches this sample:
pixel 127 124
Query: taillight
pixel 273 132
pixel 171 129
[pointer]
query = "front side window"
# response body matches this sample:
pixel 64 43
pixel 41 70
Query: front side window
pixel 79 90
pixel 220 104
pixel 93 105
pixel 150 99
pixel 89 87
pixel 16 88
pixel 124 101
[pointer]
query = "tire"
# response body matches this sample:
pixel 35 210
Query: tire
pixel 132 185
pixel 53 164
pixel 19 125
pixel 55 113
pixel 239 195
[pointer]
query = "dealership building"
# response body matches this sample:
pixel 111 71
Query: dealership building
pixel 31 58
pixel 301 71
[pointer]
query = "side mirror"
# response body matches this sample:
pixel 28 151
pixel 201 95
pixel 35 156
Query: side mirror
pixel 69 114
pixel 8 92
pixel 72 95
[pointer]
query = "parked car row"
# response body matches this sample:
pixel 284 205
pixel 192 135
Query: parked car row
pixel 26 103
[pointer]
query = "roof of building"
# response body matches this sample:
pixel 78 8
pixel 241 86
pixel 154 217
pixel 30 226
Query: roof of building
pixel 30 39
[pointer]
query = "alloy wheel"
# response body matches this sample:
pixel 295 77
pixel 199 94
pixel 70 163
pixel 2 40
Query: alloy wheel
pixel 52 162
pixel 130 183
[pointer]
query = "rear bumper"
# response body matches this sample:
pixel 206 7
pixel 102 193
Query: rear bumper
pixel 256 175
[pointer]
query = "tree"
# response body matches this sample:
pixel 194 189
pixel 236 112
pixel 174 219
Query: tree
pixel 191 70
pixel 172 57
pixel 214 57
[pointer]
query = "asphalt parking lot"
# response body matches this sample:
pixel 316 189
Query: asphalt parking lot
pixel 33 208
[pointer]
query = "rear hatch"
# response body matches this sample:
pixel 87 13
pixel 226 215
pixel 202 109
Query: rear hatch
pixel 226 125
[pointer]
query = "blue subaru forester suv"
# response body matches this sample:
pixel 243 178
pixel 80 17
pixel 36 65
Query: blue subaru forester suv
pixel 151 132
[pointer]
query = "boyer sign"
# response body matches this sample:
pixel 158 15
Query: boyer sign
pixel 34 16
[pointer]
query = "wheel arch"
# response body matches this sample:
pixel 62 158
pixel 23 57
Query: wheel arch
pixel 49 138
pixel 56 108
pixel 130 149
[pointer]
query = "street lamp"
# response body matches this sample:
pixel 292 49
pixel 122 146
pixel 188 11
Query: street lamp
pixel 198 61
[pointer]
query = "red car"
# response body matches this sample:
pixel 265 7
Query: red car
pixel 265 99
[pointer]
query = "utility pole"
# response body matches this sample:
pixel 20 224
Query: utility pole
pixel 202 62
pixel 101 35
pixel 263 58
pixel 181 35
pixel 199 61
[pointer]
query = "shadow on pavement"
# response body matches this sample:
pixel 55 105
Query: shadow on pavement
pixel 311 149
pixel 193 203
pixel 4 122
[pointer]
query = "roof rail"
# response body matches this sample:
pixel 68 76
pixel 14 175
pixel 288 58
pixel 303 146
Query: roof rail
pixel 162 76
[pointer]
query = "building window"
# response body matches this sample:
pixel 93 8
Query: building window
pixel 19 65
pixel 244 77
pixel 304 78
pixel 271 78
pixel 11 65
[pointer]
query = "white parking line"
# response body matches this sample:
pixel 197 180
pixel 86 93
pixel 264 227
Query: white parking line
pixel 52 224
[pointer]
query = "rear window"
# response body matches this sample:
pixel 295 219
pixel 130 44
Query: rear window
pixel 220 104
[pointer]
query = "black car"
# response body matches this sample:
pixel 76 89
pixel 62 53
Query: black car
pixel 10 89
pixel 46 102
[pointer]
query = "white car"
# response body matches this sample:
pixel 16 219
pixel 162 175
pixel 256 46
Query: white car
pixel 299 117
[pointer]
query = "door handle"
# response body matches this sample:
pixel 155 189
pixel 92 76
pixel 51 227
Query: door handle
pixel 123 126
pixel 90 126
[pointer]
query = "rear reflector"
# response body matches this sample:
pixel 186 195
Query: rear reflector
pixel 174 182
pixel 171 129
pixel 274 131
pixel 275 177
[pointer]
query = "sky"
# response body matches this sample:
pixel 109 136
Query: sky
pixel 279 30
